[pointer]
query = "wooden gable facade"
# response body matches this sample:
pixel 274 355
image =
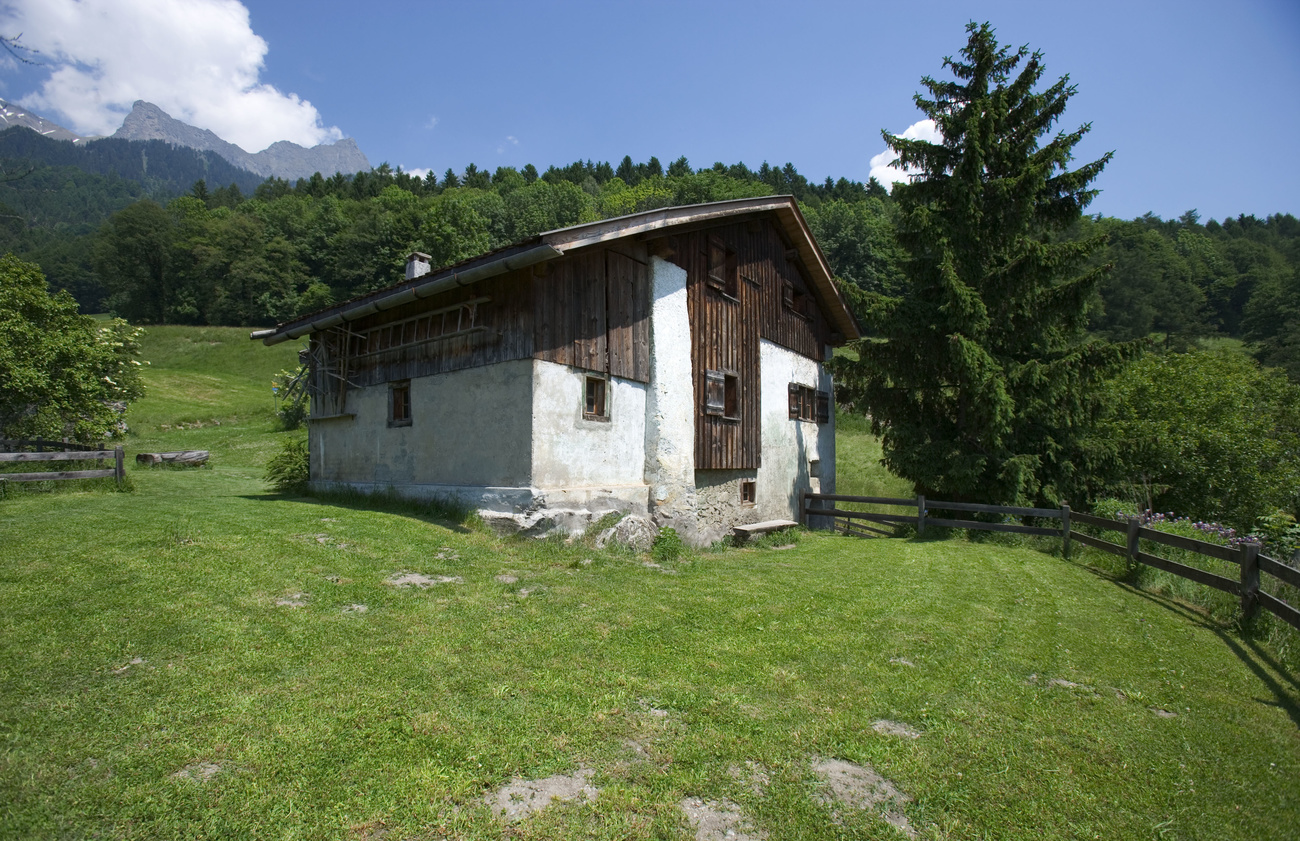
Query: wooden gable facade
pixel 745 283
pixel 590 310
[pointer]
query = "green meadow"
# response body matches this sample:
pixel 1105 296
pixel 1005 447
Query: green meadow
pixel 197 657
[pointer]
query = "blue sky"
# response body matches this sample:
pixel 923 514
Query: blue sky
pixel 1200 101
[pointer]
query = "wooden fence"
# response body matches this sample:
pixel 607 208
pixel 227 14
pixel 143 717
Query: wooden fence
pixel 40 450
pixel 1245 555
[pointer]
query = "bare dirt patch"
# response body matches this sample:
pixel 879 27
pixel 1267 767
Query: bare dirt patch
pixel 520 798
pixel 506 578
pixel 355 608
pixel 719 820
pixel 902 661
pixel 292 600
pixel 753 775
pixel 860 788
pixel 198 772
pixel 895 728
pixel 423 582
pixel 1163 713
pixel 135 661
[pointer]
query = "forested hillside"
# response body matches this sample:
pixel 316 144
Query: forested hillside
pixel 148 231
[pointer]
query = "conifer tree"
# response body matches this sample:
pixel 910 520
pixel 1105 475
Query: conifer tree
pixel 979 377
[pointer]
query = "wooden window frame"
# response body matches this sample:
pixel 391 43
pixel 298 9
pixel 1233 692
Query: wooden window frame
pixel 722 394
pixel 748 493
pixel 795 300
pixel 723 269
pixel 808 404
pixel 399 403
pixel 595 398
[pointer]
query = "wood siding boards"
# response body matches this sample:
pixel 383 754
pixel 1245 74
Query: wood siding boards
pixel 725 330
pixel 592 311
pixel 724 340
pixel 506 334
pixel 628 304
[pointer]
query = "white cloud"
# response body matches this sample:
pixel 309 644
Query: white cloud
pixel 510 139
pixel 198 60
pixel 433 123
pixel 882 165
pixel 417 171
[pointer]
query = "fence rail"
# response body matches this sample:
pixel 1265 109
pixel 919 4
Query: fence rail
pixel 116 472
pixel 1246 555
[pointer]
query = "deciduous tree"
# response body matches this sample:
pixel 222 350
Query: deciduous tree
pixel 61 372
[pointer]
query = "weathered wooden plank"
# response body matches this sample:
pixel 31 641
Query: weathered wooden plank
pixel 1098 522
pixel 976 525
pixel 1192 573
pixel 54 476
pixel 861 529
pixel 872 500
pixel 189 457
pixel 1223 553
pixel 980 508
pixel 1279 570
pixel 69 455
pixel 859 515
pixel 1280 609
pixel 1098 543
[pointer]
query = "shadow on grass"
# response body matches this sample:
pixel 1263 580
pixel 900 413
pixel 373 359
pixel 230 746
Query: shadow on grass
pixel 1259 660
pixel 445 513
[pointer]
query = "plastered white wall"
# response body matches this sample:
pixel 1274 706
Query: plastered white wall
pixel 670 401
pixel 571 451
pixel 791 446
pixel 471 427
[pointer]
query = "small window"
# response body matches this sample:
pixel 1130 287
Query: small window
pixel 806 403
pixel 399 403
pixel 724 268
pixel 596 401
pixel 748 492
pixel 796 300
pixel 722 394
pixel 731 396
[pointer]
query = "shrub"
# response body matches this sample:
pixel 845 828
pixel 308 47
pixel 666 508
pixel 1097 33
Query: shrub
pixel 287 471
pixel 668 546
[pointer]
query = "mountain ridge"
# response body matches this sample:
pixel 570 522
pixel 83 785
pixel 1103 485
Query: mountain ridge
pixel 282 159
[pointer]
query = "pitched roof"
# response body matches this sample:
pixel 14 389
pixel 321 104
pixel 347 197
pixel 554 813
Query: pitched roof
pixel 553 244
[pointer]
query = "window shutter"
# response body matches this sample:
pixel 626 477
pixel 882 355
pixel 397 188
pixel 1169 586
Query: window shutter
pixel 715 393
pixel 823 407
pixel 794 401
pixel 787 294
pixel 717 263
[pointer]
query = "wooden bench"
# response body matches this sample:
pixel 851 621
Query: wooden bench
pixel 745 532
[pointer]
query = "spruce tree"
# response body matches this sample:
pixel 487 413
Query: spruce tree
pixel 979 377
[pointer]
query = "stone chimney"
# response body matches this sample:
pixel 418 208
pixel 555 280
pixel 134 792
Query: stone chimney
pixel 417 264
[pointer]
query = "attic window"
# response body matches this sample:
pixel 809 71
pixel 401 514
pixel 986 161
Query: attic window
pixel 722 394
pixel 724 268
pixel 795 300
pixel 399 403
pixel 806 403
pixel 596 400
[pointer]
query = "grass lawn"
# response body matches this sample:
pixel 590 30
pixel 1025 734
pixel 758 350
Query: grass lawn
pixel 198 658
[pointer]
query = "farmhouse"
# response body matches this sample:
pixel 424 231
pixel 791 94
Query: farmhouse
pixel 668 364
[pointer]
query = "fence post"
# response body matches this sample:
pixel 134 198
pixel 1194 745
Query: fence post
pixel 1133 525
pixel 1065 530
pixel 1249 578
pixel 920 515
pixel 40 444
pixel 119 469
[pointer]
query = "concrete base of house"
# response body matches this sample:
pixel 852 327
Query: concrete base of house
pixel 530 511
